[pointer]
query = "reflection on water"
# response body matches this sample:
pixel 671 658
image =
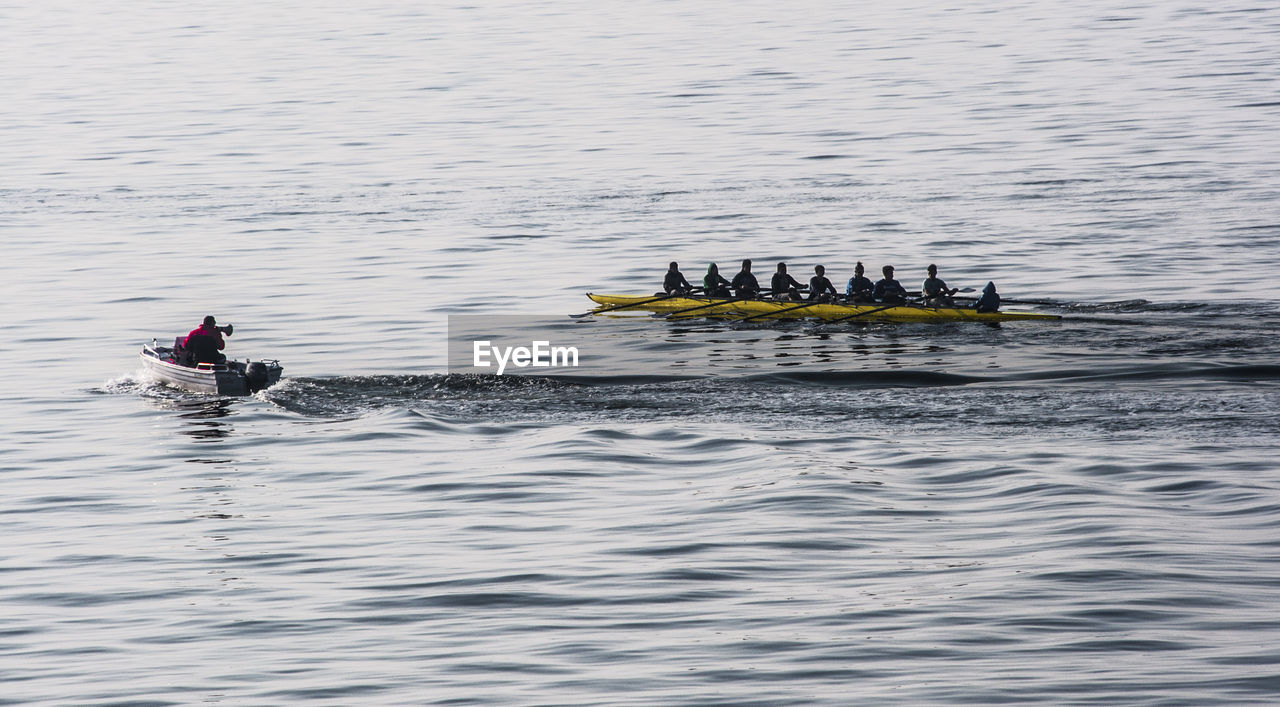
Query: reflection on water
pixel 204 416
pixel 205 409
pixel 215 500
pixel 204 419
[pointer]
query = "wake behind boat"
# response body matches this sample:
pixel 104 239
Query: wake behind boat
pixel 230 378
pixel 789 309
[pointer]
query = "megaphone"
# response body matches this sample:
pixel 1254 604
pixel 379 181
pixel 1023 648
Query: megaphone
pixel 226 329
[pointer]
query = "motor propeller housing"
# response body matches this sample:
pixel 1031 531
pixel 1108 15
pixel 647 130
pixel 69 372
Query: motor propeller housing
pixel 256 376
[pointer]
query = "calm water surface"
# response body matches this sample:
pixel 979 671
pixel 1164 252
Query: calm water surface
pixel 1075 512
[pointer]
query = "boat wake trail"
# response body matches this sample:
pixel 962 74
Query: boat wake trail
pixel 1230 401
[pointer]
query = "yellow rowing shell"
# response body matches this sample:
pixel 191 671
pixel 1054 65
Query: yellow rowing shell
pixel 769 309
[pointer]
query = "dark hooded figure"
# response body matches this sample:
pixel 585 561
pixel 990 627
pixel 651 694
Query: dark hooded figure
pixel 674 283
pixel 744 283
pixel 714 285
pixel 784 284
pixel 989 301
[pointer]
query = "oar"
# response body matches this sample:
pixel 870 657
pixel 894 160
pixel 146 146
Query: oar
pixel 921 295
pixel 1021 301
pixel 616 307
pixel 918 293
pixel 780 311
pixel 664 315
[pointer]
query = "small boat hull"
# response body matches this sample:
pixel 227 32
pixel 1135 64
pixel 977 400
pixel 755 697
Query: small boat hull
pixel 777 309
pixel 231 378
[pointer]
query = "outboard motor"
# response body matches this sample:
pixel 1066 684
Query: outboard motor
pixel 255 375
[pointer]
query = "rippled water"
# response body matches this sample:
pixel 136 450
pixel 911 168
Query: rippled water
pixel 1082 511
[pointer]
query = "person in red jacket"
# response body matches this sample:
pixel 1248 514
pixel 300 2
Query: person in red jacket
pixel 204 343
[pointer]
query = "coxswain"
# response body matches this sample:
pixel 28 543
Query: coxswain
pixel 714 285
pixel 820 288
pixel 889 290
pixel 935 291
pixel 989 301
pixel 744 283
pixel 860 286
pixel 674 282
pixel 204 344
pixel 783 284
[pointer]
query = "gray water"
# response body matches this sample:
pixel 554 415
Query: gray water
pixel 1083 511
